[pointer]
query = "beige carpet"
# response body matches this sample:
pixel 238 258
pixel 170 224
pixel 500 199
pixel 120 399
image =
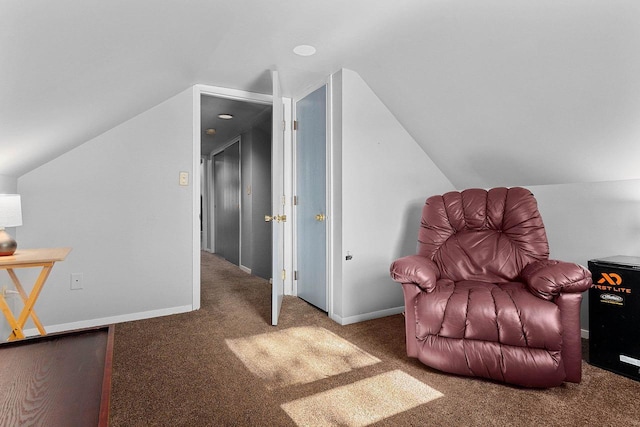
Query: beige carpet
pixel 298 355
pixel 363 402
pixel 200 369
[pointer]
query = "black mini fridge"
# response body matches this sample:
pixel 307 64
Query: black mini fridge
pixel 614 315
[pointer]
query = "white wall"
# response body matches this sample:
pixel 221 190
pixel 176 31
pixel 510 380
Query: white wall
pixel 8 184
pixel 590 220
pixel 116 201
pixel 381 178
pixel 385 178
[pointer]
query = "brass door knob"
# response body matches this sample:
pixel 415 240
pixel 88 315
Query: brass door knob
pixel 320 217
pixel 276 218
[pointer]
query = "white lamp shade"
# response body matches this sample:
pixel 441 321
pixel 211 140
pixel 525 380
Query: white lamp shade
pixel 10 210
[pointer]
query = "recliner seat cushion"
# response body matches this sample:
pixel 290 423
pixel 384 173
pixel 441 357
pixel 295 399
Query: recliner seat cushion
pixel 498 331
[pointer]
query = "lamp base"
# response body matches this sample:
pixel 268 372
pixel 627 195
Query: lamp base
pixel 7 244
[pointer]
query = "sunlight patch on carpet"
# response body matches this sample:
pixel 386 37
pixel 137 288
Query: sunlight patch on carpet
pixel 362 403
pixel 298 355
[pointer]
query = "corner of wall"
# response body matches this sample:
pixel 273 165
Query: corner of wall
pixel 367 139
pixel 335 174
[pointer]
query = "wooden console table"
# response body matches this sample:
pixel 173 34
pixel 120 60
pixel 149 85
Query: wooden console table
pixel 61 379
pixel 25 258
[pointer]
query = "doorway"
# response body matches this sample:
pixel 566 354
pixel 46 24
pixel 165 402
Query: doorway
pixel 281 164
pixel 236 140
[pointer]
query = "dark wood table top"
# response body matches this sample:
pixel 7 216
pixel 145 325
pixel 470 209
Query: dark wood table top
pixel 57 380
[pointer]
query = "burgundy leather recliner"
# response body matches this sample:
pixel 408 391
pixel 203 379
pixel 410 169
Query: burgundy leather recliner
pixel 482 297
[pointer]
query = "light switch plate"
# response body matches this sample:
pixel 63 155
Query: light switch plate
pixel 184 178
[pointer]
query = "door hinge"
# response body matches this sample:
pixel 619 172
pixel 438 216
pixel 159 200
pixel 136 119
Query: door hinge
pixel 284 274
pixel 295 275
pixel 295 200
pixel 295 125
pixel 284 125
pixel 284 200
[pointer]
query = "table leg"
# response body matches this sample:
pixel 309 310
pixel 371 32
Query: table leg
pixel 24 297
pixel 16 331
pixel 28 305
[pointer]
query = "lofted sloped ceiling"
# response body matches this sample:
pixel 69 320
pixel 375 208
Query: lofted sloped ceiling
pixel 496 92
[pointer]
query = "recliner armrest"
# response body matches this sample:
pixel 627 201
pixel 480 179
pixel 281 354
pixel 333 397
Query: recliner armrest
pixel 416 269
pixel 548 278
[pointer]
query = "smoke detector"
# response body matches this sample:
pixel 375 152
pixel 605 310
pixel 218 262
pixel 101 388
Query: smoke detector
pixel 304 50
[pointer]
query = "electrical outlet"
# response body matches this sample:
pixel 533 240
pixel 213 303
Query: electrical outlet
pixel 76 281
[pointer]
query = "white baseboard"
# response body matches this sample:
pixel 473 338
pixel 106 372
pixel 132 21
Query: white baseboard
pixel 91 323
pixel 366 316
pixel 584 333
pixel 245 269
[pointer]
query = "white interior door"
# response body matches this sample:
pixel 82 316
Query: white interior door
pixel 311 193
pixel 278 200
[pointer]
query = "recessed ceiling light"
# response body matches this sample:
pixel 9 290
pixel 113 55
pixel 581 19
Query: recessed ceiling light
pixel 304 50
pixel 210 131
pixel 225 116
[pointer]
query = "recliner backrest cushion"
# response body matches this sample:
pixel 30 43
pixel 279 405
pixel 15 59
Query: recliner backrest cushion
pixel 482 235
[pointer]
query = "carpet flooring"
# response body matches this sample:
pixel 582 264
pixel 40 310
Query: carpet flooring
pixel 196 369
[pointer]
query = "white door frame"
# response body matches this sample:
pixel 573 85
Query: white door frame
pixel 239 95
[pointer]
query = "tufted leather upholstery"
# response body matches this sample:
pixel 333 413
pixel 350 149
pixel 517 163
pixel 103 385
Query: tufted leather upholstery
pixel 483 299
